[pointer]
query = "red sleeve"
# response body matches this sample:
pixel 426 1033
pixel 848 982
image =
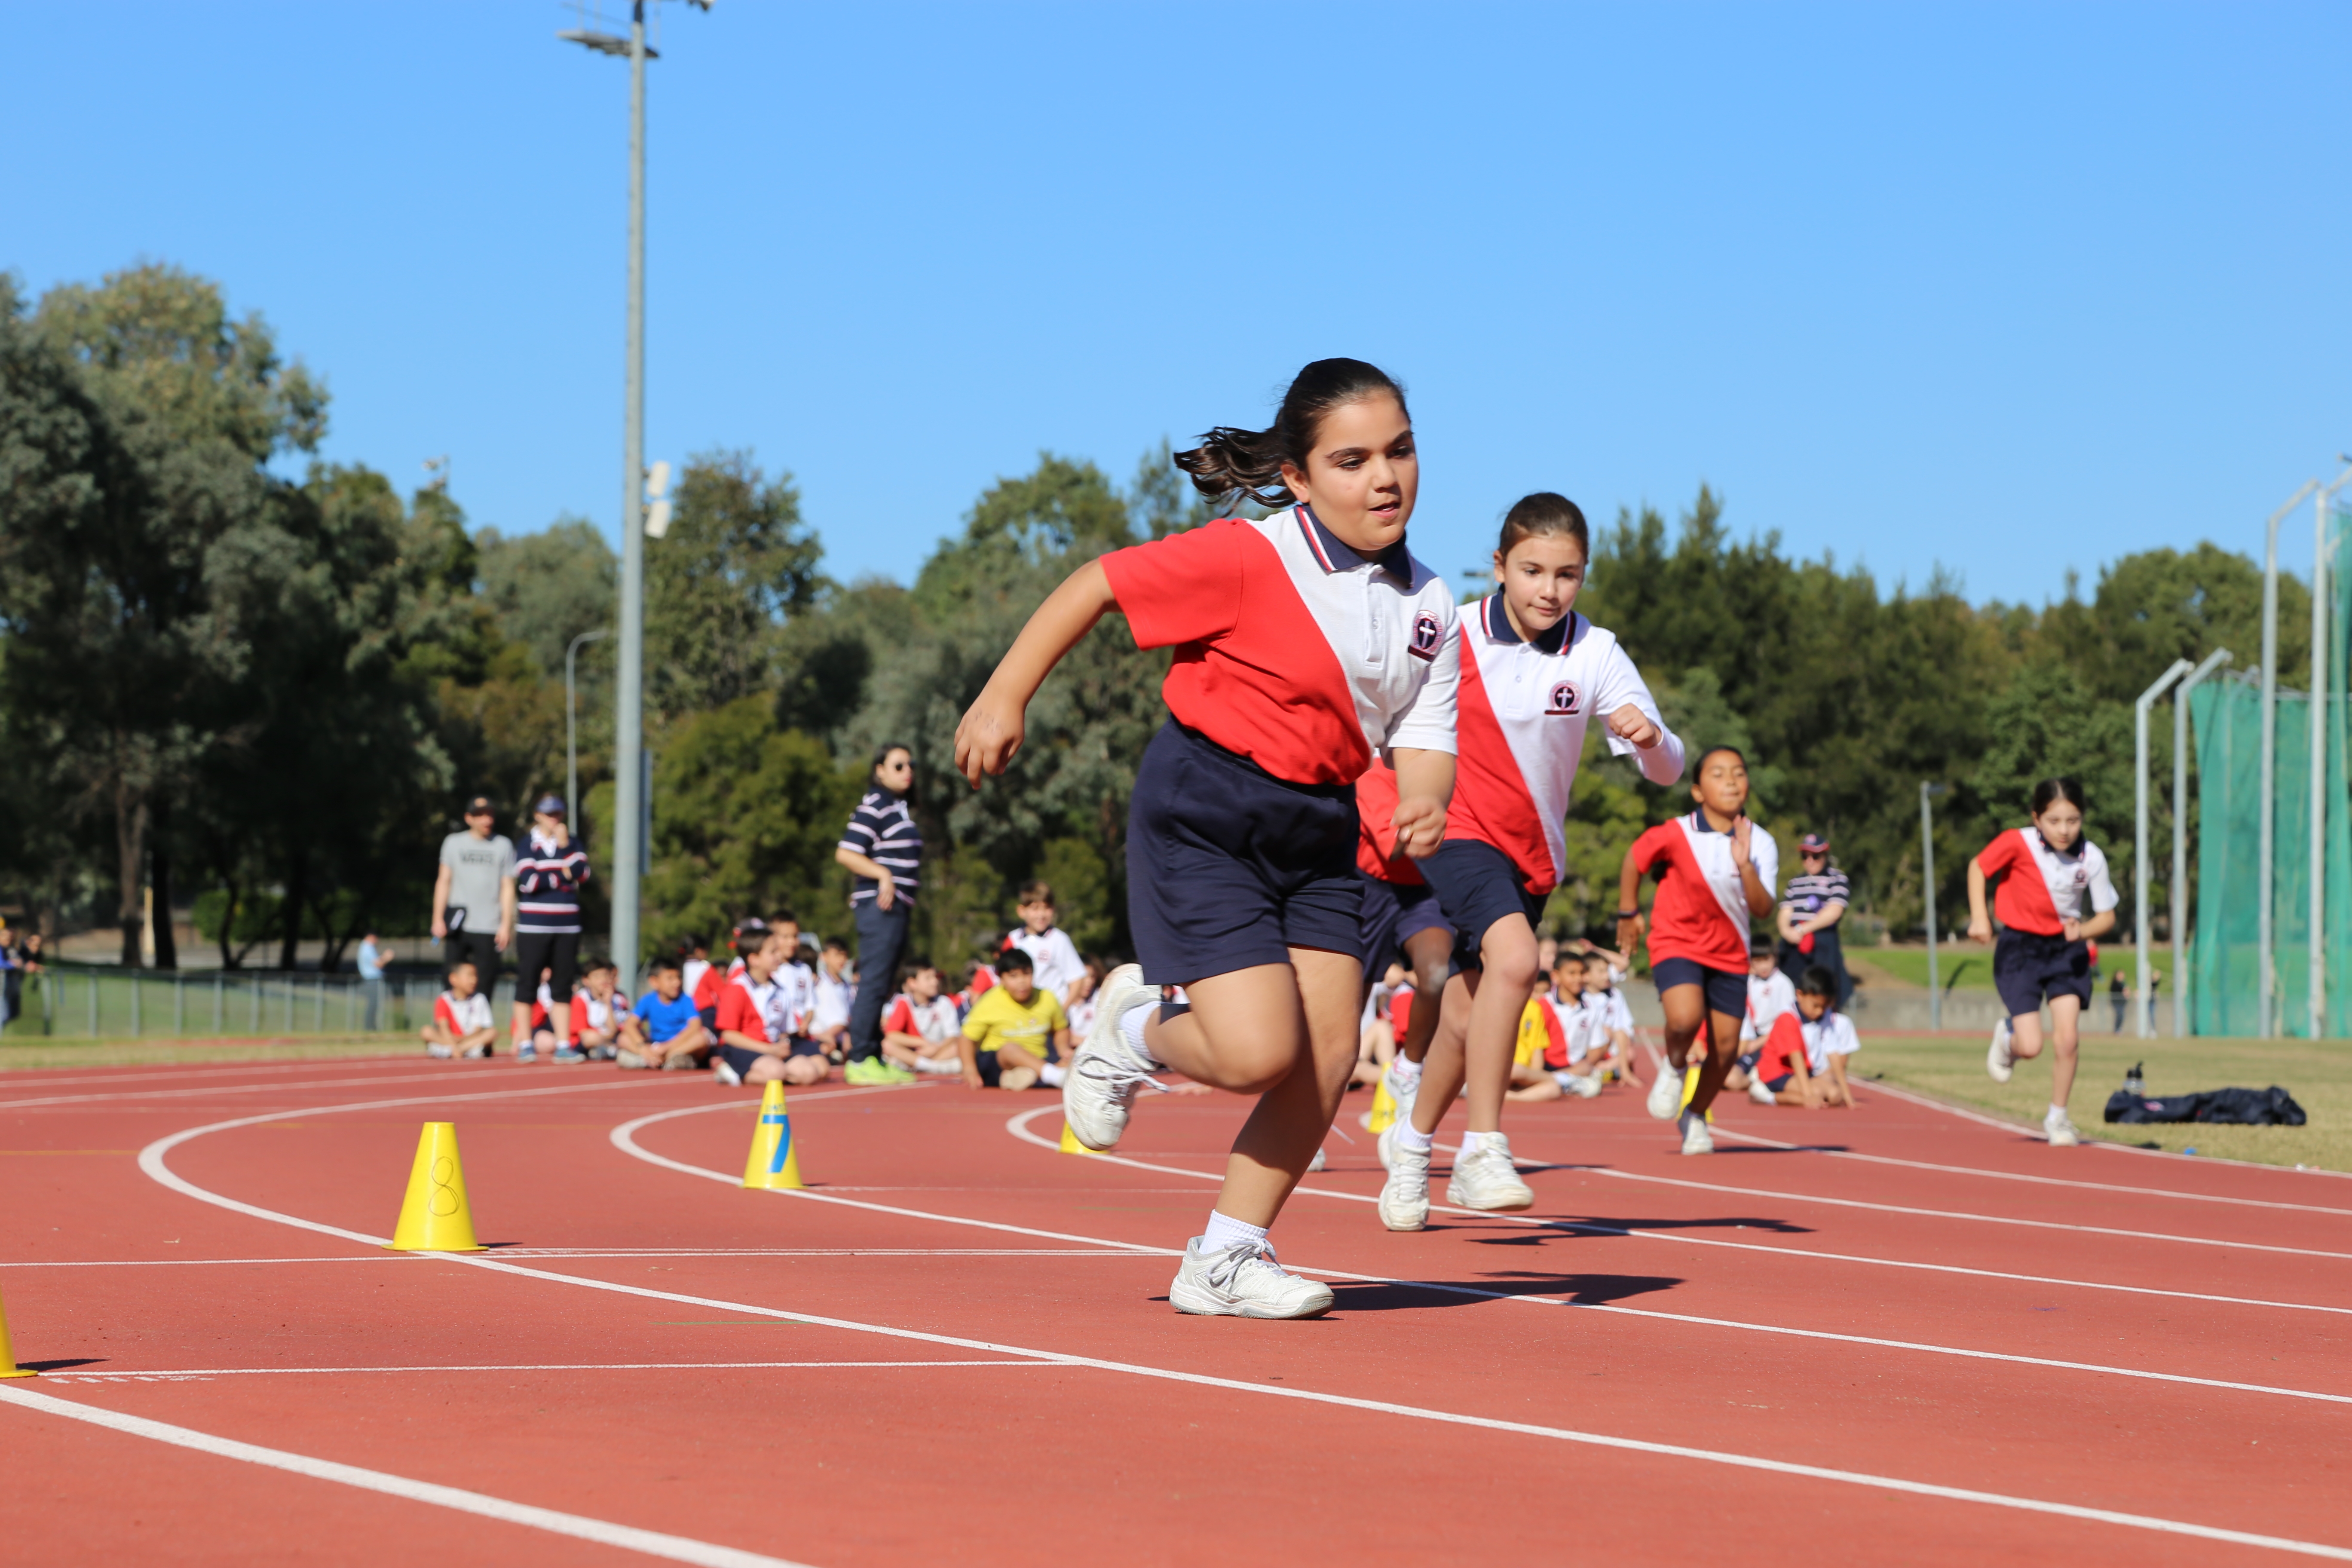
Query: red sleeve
pixel 1184 588
pixel 1654 845
pixel 1786 1044
pixel 444 1017
pixel 900 1019
pixel 2002 854
pixel 1376 803
pixel 736 1012
pixel 578 1015
pixel 1555 1038
pixel 705 990
pixel 1399 1014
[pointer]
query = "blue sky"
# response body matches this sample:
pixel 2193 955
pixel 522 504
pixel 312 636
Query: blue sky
pixel 2014 289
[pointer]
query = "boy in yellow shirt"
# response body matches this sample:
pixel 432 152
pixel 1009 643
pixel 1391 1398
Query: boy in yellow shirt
pixel 1016 1033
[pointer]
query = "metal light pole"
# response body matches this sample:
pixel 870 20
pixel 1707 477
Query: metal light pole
pixel 572 727
pixel 2189 682
pixel 2143 1015
pixel 2266 976
pixel 1928 887
pixel 2318 906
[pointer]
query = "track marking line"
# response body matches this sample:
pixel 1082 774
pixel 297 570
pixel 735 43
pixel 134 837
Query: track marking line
pixel 1631 1444
pixel 560 1252
pixel 184 1375
pixel 1019 1127
pixel 151 1093
pixel 652 1543
pixel 28 1077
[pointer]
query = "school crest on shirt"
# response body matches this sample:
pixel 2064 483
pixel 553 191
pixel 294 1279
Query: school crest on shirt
pixel 1426 635
pixel 1566 700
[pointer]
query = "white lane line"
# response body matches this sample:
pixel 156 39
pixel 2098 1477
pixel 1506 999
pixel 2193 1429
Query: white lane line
pixel 652 1543
pixel 152 1093
pixel 598 1252
pixel 623 1138
pixel 1632 1445
pixel 29 1077
pixel 182 1376
pixel 2021 1176
pixel 1019 1127
pixel 2035 1134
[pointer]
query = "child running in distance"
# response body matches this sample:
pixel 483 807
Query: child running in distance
pixel 1535 674
pixel 666 1031
pixel 1400 915
pixel 1555 1038
pixel 1307 642
pixel 461 1023
pixel 1017 1034
pixel 920 1027
pixel 1716 873
pixel 1048 946
pixel 2054 899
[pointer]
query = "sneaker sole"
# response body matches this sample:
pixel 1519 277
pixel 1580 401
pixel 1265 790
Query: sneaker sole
pixel 1459 1201
pixel 1210 1307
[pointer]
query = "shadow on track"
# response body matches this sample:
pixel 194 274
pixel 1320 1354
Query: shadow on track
pixel 1585 1289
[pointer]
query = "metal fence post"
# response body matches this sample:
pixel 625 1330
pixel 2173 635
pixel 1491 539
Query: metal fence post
pixel 90 979
pixel 135 989
pixel 179 1003
pixel 253 995
pixel 216 1002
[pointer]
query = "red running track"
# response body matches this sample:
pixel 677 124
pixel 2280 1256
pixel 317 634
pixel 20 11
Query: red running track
pixel 1925 1340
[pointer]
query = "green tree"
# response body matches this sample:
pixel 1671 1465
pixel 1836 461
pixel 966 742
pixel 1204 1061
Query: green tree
pixel 735 567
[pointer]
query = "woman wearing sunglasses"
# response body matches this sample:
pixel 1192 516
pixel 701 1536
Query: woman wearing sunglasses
pixel 1808 915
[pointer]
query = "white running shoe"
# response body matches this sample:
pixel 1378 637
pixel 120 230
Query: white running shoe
pixel 1404 1197
pixel 1105 1074
pixel 1997 1061
pixel 439 1053
pixel 1243 1281
pixel 2059 1128
pixel 1385 1144
pixel 724 1071
pixel 1697 1139
pixel 1404 1095
pixel 1488 1180
pixel 1666 1094
pixel 1584 1086
pixel 1758 1093
pixel 1318 1163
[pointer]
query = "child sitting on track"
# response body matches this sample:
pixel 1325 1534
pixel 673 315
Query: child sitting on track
pixel 666 1029
pixel 919 1028
pixel 1016 1033
pixel 758 1022
pixel 1770 993
pixel 600 1016
pixel 1611 1039
pixel 1049 947
pixel 1802 1060
pixel 1555 1038
pixel 461 1023
pixel 834 991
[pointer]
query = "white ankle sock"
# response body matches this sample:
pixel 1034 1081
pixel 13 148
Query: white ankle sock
pixel 1404 1073
pixel 2054 1113
pixel 1222 1233
pixel 1408 1137
pixel 1471 1144
pixel 1050 1075
pixel 1131 1029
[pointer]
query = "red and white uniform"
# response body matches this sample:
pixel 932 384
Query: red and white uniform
pixel 757 1011
pixel 796 1006
pixel 1833 1035
pixel 690 975
pixel 1607 1015
pixel 930 1021
pixel 1052 955
pixel 462 1016
pixel 2041 889
pixel 715 980
pixel 1767 999
pixel 1376 850
pixel 1701 912
pixel 1524 707
pixel 605 1017
pixel 1291 649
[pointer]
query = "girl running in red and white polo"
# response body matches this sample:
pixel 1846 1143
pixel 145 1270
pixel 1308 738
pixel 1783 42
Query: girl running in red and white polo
pixel 1534 674
pixel 1306 642
pixel 2055 898
pixel 1716 871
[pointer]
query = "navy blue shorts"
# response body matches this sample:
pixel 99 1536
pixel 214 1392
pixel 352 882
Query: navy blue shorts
pixel 1394 913
pixel 1727 989
pixel 1777 1084
pixel 2027 966
pixel 742 1058
pixel 1229 868
pixel 992 1071
pixel 1477 885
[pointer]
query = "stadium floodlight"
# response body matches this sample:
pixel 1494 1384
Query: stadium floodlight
pixel 658 500
pixel 1928 889
pixel 2144 1012
pixel 2189 682
pixel 2266 968
pixel 629 730
pixel 572 730
pixel 2318 847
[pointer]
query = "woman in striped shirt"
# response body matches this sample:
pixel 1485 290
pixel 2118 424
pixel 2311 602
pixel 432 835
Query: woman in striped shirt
pixel 882 848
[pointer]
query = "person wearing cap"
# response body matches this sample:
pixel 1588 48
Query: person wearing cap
pixel 1809 910
pixel 473 895
pixel 548 876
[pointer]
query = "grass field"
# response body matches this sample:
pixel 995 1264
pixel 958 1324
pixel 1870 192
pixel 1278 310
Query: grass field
pixel 2318 1074
pixel 1967 969
pixel 20 1054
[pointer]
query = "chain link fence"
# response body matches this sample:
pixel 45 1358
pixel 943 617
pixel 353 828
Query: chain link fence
pixel 67 1001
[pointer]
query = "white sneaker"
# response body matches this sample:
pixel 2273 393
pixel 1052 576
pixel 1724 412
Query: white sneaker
pixel 1697 1139
pixel 1666 1094
pixel 2059 1128
pixel 439 1053
pixel 723 1071
pixel 526 1053
pixel 1997 1061
pixel 1385 1144
pixel 1488 1180
pixel 1584 1086
pixel 1404 1197
pixel 1404 1095
pixel 1758 1093
pixel 1243 1281
pixel 478 1052
pixel 1318 1163
pixel 1105 1074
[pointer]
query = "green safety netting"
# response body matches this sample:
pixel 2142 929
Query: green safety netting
pixel 2224 951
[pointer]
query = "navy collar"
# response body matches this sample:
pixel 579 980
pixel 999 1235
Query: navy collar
pixel 1499 629
pixel 1334 555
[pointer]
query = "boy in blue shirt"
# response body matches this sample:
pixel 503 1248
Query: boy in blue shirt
pixel 668 1031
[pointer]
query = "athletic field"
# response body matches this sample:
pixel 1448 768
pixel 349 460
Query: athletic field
pixel 1923 1337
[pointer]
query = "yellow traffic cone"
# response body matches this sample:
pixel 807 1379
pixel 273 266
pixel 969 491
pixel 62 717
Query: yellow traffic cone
pixel 1690 1088
pixel 1070 1144
pixel 774 1163
pixel 8 1367
pixel 1384 1107
pixel 433 1216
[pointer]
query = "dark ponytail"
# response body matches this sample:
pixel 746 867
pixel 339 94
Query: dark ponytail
pixel 1231 462
pixel 2058 789
pixel 1546 515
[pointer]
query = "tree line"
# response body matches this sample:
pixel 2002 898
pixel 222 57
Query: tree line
pixel 233 675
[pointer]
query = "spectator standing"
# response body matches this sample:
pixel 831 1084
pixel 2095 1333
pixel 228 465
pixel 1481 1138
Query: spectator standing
pixel 2119 993
pixel 12 976
pixel 882 848
pixel 1811 908
pixel 473 895
pixel 371 979
pixel 548 877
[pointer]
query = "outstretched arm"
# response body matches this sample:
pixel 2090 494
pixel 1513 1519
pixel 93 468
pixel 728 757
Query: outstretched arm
pixel 1980 923
pixel 1424 787
pixel 1629 907
pixel 992 730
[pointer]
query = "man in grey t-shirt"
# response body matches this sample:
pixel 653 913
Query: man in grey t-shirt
pixel 474 896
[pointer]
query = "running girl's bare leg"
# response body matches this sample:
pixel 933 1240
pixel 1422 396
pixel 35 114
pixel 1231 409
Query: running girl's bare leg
pixel 1724 1028
pixel 1686 1010
pixel 1508 952
pixel 2025 1038
pixel 1431 953
pixel 2065 1021
pixel 1442 1069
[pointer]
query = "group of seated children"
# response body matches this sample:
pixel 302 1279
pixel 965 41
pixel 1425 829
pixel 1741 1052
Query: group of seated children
pixel 662 1031
pixel 1575 1034
pixel 1797 1041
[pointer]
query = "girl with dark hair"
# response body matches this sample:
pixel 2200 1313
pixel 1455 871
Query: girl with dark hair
pixel 883 850
pixel 1535 675
pixel 2056 899
pixel 1306 642
pixel 1716 871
